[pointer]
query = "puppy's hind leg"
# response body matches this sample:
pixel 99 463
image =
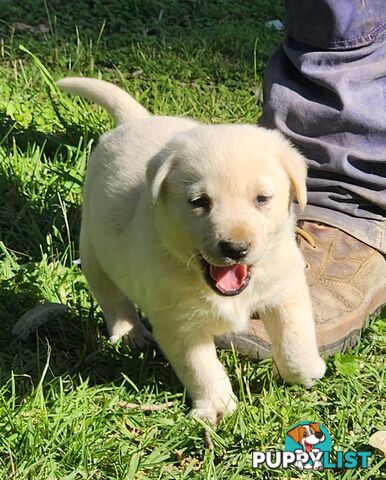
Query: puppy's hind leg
pixel 120 314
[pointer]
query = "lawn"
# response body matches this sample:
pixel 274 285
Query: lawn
pixel 61 389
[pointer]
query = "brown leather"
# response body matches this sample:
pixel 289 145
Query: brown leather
pixel 347 280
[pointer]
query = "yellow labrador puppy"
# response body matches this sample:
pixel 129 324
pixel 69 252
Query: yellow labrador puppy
pixel 194 224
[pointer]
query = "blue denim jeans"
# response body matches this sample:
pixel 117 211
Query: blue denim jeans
pixel 325 89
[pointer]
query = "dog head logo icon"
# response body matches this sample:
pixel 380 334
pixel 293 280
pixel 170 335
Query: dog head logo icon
pixel 310 438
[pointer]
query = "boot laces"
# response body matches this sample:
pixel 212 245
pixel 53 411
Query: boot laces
pixel 307 236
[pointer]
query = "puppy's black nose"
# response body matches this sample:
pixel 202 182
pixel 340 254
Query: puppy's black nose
pixel 234 250
pixel 319 434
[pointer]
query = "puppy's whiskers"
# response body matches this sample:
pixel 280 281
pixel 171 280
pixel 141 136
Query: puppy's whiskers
pixel 190 259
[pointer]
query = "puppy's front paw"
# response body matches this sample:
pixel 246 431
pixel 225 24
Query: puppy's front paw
pixel 315 371
pixel 214 409
pixel 206 413
pixel 304 373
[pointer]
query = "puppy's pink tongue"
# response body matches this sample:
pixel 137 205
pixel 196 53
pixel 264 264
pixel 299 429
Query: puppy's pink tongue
pixel 231 278
pixel 308 447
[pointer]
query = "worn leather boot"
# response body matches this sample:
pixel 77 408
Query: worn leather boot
pixel 347 280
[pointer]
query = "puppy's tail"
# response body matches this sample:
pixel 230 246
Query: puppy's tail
pixel 120 105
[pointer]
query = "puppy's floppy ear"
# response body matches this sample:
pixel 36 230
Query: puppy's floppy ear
pixel 295 166
pixel 296 434
pixel 156 173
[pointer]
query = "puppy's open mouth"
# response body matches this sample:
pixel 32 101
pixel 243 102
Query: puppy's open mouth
pixel 308 446
pixel 226 280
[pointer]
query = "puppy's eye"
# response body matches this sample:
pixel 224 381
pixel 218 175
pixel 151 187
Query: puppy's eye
pixel 203 201
pixel 262 199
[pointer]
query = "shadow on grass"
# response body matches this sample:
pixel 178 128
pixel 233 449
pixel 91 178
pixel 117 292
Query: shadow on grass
pixel 74 345
pixel 24 222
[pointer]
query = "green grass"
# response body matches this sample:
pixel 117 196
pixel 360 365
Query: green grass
pixel 59 412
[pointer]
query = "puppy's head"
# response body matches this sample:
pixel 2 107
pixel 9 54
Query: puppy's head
pixel 223 193
pixel 307 435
